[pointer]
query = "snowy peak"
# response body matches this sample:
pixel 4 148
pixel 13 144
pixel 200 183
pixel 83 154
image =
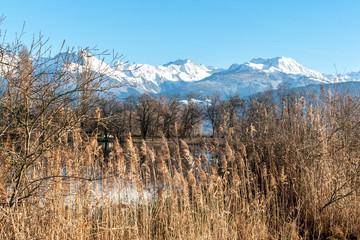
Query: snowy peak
pixel 285 65
pixel 194 70
pixel 277 65
pixel 156 79
pixel 183 76
pixel 349 77
pixel 179 70
pixel 258 75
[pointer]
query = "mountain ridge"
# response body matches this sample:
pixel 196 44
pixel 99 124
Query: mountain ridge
pixel 184 76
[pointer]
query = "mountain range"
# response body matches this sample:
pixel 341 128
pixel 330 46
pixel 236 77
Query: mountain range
pixel 184 76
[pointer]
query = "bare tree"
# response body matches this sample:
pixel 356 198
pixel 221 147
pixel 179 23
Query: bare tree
pixel 145 110
pixel 170 114
pixel 213 112
pixel 108 121
pixel 129 107
pixel 157 123
pixel 233 107
pixel 43 99
pixel 191 115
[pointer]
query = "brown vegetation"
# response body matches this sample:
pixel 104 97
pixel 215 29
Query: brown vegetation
pixel 274 169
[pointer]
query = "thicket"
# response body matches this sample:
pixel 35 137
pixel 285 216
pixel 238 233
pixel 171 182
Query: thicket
pixel 282 165
pixel 150 116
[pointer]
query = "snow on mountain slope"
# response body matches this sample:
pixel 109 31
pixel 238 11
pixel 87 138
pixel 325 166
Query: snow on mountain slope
pixel 156 79
pixel 284 65
pixel 184 76
pixel 258 75
pixel 339 78
pixel 278 65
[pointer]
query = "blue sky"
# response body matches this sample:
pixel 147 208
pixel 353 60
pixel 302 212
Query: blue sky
pixel 316 33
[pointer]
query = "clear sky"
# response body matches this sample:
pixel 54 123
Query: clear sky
pixel 317 33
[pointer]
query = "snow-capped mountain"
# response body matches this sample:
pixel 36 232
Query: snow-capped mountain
pixel 144 78
pixel 279 65
pixel 339 78
pixel 136 78
pixel 257 75
pixel 184 76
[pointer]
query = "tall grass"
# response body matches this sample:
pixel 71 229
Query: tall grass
pixel 287 172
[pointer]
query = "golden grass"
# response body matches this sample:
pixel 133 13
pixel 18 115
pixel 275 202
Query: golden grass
pixel 285 175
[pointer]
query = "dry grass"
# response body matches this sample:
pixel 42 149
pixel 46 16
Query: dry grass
pixel 284 174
